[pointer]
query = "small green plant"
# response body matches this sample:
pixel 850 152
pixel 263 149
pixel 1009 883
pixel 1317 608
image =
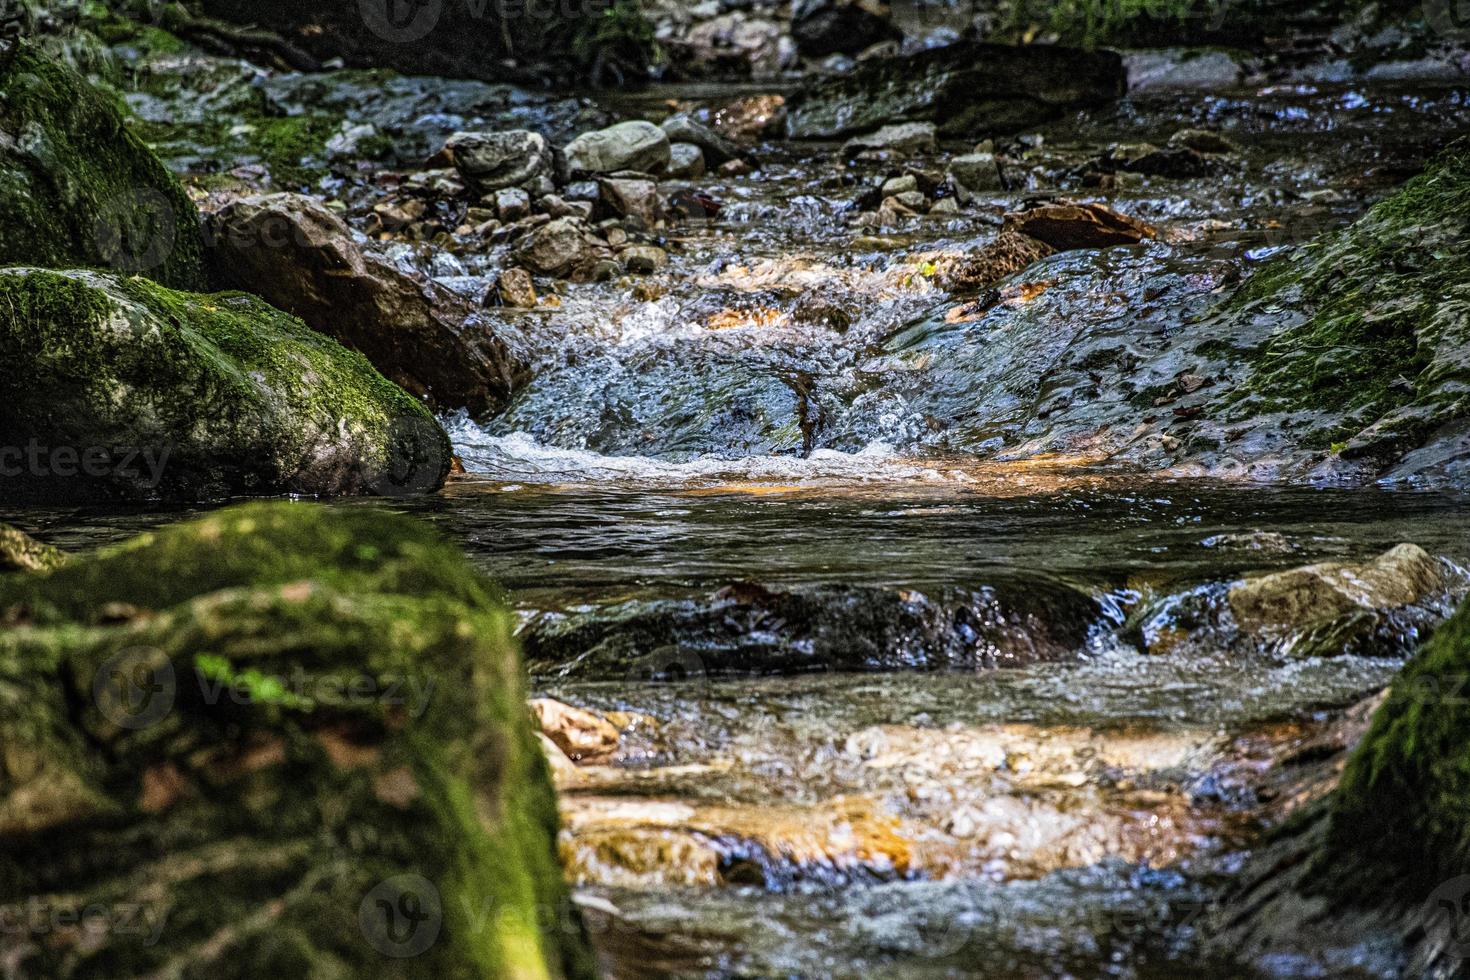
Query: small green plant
pixel 617 40
pixel 1092 22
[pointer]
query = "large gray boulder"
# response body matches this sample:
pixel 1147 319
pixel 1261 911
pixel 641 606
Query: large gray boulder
pixel 496 161
pixel 635 145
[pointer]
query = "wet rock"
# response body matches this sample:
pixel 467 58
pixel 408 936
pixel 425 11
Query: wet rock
pixel 398 214
pixel 895 186
pixel 643 259
pixel 566 248
pixel 902 139
pixel 581 734
pixel 1008 254
pixel 635 145
pixel 1203 141
pixel 78 188
pixel 1183 69
pixel 1303 597
pixel 1150 160
pixel 1019 87
pixel 823 27
pixel 717 149
pixel 686 161
pixel 176 395
pixel 319 683
pixel 19 552
pixel 1397 831
pixel 658 844
pixel 749 629
pixel 735 43
pixel 945 207
pixel 301 257
pixel 627 198
pixel 975 173
pixel 515 288
pixel 494 161
pixel 512 204
pixel 1066 226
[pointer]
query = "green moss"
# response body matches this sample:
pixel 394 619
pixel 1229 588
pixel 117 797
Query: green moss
pixel 84 191
pixel 254 827
pixel 244 398
pixel 1401 816
pixel 20 552
pixel 1093 22
pixel 1369 306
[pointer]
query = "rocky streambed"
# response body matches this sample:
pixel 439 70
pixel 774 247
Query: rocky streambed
pixel 938 550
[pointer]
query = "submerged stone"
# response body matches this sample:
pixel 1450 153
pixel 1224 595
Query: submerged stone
pixel 292 741
pixel 121 387
pixel 749 629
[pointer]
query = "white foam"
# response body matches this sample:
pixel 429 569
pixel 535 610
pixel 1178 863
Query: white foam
pixel 519 458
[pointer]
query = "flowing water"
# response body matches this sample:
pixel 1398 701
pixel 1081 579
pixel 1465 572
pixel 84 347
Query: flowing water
pixel 895 693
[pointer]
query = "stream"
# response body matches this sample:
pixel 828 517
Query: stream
pixel 900 698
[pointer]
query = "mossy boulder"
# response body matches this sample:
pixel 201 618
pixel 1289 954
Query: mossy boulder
pixel 1400 824
pixel 78 189
pixel 120 386
pixel 1375 319
pixel 19 552
pixel 283 740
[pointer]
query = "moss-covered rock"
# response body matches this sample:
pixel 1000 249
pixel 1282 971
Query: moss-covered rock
pixel 121 386
pixel 282 740
pixel 77 188
pixel 1401 819
pixel 1376 318
pixel 20 552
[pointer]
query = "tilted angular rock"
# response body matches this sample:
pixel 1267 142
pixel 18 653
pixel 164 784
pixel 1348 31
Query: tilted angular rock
pixel 717 149
pixel 495 161
pixel 124 387
pixel 302 258
pixel 964 89
pixel 635 145
pixel 77 189
pixel 1066 226
pixel 286 740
